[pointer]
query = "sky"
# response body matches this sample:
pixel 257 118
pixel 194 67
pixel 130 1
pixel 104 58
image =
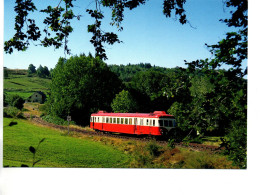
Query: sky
pixel 148 36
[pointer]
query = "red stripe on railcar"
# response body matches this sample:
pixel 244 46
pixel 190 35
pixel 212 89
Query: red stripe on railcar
pixel 128 129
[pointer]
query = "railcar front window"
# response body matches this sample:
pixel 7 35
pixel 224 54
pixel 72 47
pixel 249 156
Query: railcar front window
pixel 161 123
pixel 166 123
pixel 170 124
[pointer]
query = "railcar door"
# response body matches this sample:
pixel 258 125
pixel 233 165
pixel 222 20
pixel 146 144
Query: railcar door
pixel 135 125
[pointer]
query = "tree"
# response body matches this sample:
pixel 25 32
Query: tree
pixel 40 71
pixel 6 73
pixel 31 69
pixel 150 83
pixel 124 102
pixel 80 86
pixel 46 71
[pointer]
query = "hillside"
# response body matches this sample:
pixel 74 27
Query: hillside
pixel 19 83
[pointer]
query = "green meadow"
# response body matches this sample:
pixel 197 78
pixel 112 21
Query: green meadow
pixel 57 150
pixel 24 85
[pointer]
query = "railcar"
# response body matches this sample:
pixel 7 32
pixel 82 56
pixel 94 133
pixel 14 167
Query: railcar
pixel 157 123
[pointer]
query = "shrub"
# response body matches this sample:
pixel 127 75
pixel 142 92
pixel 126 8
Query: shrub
pixel 171 143
pixel 236 144
pixel 141 158
pixel 56 120
pixel 153 148
pixel 15 101
pixel 205 160
pixel 13 112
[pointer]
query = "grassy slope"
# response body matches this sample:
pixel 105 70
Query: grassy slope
pixel 24 86
pixel 58 150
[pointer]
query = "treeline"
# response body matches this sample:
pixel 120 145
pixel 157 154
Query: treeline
pixel 42 72
pixel 126 72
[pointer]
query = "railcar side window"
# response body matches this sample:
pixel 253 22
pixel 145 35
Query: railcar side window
pixel 117 121
pixel 147 122
pixel 110 120
pixel 107 119
pixel 141 121
pixel 153 122
pixel 114 120
pixel 130 121
pixel 126 121
pixel 161 123
pixel 122 120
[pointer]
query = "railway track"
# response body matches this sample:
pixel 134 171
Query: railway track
pixel 193 146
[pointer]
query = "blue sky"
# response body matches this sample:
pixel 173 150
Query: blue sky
pixel 148 36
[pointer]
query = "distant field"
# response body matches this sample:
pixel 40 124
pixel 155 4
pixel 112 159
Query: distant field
pixel 25 86
pixel 58 150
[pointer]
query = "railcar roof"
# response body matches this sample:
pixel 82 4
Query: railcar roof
pixel 141 115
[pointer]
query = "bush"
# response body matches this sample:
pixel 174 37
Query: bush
pixel 236 144
pixel 153 148
pixel 13 112
pixel 56 120
pixel 204 160
pixel 171 143
pixel 15 101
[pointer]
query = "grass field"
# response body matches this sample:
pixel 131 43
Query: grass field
pixel 82 150
pixel 25 86
pixel 58 149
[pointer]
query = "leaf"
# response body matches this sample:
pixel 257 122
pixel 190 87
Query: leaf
pixel 32 149
pixel 36 161
pixel 42 140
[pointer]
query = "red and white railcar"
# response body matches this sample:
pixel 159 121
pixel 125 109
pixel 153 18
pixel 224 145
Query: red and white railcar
pixel 156 123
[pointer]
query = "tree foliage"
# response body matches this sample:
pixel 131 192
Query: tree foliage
pixel 15 101
pixel 31 69
pixel 80 86
pixel 43 72
pixel 6 74
pixel 124 102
